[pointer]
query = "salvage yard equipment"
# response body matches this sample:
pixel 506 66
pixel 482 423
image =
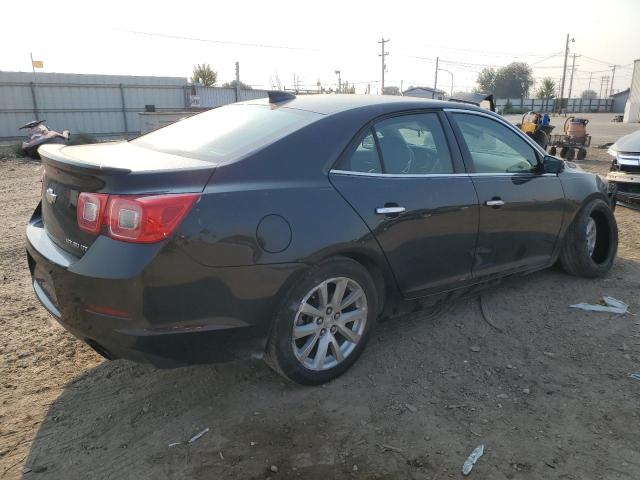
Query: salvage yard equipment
pixel 536 125
pixel 574 142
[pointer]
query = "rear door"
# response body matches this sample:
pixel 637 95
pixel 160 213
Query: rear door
pixel 410 188
pixel 521 207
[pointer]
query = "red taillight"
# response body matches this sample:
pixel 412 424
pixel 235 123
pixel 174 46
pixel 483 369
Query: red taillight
pixel 136 218
pixel 147 219
pixel 91 207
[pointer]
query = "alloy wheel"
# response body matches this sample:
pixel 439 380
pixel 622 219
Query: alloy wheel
pixel 329 323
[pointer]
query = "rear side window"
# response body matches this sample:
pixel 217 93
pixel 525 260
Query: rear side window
pixel 414 145
pixel 363 157
pixel 409 145
pixel 226 132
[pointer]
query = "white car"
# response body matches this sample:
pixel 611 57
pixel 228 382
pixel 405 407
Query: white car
pixel 624 176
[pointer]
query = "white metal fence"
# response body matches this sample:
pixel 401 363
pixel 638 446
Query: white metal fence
pixel 571 105
pixel 99 105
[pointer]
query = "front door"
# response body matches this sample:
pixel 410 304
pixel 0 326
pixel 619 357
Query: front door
pixel 521 207
pixel 410 189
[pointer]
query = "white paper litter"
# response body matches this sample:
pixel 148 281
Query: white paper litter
pixel 472 459
pixel 612 305
pixel 198 435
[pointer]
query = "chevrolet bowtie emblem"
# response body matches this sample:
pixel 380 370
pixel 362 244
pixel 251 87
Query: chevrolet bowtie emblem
pixel 50 196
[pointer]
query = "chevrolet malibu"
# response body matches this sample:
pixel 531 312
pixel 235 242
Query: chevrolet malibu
pixel 286 226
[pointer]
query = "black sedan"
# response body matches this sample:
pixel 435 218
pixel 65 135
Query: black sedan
pixel 287 226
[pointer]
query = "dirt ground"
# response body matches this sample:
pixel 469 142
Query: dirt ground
pixel 549 395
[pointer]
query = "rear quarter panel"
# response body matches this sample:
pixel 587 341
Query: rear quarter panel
pixel 288 179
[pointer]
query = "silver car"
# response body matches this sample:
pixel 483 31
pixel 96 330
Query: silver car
pixel 624 177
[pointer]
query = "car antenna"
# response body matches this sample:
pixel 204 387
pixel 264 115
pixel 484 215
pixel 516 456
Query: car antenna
pixel 277 96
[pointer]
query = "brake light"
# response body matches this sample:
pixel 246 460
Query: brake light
pixel 147 219
pixel 133 218
pixel 90 210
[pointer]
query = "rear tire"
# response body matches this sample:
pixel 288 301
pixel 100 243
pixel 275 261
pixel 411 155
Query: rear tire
pixel 582 154
pixel 591 241
pixel 317 317
pixel 563 152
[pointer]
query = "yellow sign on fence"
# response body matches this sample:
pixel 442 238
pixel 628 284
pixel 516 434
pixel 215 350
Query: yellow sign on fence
pixel 37 63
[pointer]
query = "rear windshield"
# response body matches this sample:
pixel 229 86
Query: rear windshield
pixel 226 132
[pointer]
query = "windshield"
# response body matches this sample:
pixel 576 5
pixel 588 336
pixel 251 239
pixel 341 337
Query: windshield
pixel 226 132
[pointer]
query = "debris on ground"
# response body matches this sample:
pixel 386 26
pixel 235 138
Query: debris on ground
pixel 474 348
pixel 174 444
pixel 472 459
pixel 606 304
pixel 635 376
pixel 389 448
pixel 274 468
pixel 411 408
pixel 198 435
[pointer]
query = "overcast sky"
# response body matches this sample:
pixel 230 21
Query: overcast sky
pixel 318 38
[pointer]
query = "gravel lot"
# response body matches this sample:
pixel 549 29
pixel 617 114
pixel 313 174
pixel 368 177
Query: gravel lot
pixel 549 395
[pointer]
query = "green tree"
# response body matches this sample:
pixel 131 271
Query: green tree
pixel 232 84
pixel 205 75
pixel 510 81
pixel 547 89
pixel 486 80
pixel 589 94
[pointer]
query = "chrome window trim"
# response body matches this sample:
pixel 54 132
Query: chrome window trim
pixel 437 175
pixel 509 125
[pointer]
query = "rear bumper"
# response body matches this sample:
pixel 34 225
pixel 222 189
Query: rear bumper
pixel 153 303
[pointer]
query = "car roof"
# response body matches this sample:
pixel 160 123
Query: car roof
pixel 328 104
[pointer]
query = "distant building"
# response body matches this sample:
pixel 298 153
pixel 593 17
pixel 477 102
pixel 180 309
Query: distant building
pixel 632 108
pixel 425 92
pixel 620 100
pixel 391 91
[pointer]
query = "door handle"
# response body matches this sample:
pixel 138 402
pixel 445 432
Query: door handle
pixel 389 210
pixel 496 202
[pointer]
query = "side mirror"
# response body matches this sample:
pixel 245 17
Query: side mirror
pixel 552 165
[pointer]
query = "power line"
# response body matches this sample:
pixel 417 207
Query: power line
pixel 222 42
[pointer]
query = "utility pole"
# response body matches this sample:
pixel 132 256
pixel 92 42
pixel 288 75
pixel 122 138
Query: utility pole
pixel 604 79
pixel 573 68
pixel 435 81
pixel 237 81
pixel 384 65
pixel 564 70
pixel 339 81
pixel 590 75
pixel 613 75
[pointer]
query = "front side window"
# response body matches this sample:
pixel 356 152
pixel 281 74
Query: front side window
pixel 493 147
pixel 414 145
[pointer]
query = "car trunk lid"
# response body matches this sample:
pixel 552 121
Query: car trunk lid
pixel 113 168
